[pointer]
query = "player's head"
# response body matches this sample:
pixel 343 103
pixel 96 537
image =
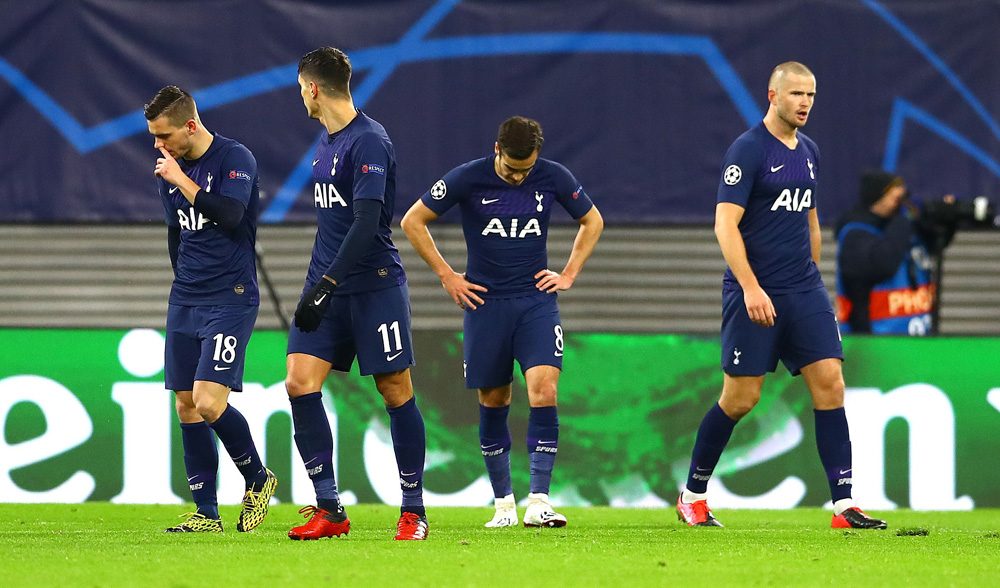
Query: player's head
pixel 791 91
pixel 518 143
pixel 324 72
pixel 881 192
pixel 172 117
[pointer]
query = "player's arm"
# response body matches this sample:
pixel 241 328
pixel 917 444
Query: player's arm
pixel 414 224
pixel 727 220
pixel 815 236
pixel 591 225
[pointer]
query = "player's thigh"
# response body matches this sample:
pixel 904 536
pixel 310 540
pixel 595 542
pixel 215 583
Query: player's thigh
pixel 182 349
pixel 811 332
pixel 487 344
pixel 538 337
pixel 332 342
pixel 224 332
pixel 748 349
pixel 380 322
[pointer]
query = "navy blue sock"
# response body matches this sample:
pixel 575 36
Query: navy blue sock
pixel 833 439
pixel 234 433
pixel 201 460
pixel 408 442
pixel 543 444
pixel 494 442
pixel 315 444
pixel 713 435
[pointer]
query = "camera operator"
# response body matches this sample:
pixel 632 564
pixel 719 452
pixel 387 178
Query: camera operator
pixel 885 283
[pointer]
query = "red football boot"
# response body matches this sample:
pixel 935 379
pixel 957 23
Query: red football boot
pixel 855 518
pixel 696 514
pixel 411 527
pixel 322 523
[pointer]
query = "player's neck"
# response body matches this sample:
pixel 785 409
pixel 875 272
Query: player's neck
pixel 781 130
pixel 201 143
pixel 337 114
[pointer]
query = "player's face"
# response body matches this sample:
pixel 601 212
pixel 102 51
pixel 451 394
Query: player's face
pixel 793 98
pixel 312 107
pixel 513 171
pixel 176 140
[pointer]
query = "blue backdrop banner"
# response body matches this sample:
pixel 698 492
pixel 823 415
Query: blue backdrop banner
pixel 639 98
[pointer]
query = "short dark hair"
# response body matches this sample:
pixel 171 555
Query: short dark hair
pixel 176 104
pixel 329 68
pixel 519 137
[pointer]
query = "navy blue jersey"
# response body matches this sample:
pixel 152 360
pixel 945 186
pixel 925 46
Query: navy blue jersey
pixel 358 162
pixel 214 265
pixel 506 226
pixel 777 187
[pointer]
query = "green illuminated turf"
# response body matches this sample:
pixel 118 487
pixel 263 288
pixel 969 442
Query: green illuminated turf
pixel 100 544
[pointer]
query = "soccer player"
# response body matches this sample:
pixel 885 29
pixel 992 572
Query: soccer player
pixel 208 185
pixel 355 301
pixel 509 296
pixel 774 304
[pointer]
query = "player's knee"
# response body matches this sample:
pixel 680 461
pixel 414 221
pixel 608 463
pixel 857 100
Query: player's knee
pixel 544 394
pixel 209 407
pixel 830 396
pixel 739 407
pixel 298 386
pixel 187 412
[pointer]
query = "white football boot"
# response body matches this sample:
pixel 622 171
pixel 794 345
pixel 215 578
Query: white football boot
pixel 506 514
pixel 540 513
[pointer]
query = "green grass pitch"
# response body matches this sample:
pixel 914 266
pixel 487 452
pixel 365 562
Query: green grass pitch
pixel 100 544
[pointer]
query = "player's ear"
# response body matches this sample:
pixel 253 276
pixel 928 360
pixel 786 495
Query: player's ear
pixel 496 148
pixel 771 94
pixel 191 126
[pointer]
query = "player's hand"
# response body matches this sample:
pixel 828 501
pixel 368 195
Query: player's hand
pixel 462 291
pixel 312 305
pixel 168 169
pixel 552 282
pixel 759 307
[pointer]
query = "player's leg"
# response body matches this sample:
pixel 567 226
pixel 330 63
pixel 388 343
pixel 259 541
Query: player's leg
pixel 538 348
pixel 748 352
pixel 495 443
pixel 813 348
pixel 381 326
pixel 201 457
pixel 224 335
pixel 310 358
pixel 489 367
pixel 833 440
pixel 408 444
pixel 739 396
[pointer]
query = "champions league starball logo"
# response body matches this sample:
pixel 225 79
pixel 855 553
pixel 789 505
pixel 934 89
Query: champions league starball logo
pixel 438 190
pixel 733 175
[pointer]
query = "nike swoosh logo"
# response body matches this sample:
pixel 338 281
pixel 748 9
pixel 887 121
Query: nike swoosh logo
pixel 485 201
pixel 774 169
pixel 409 474
pixel 488 446
pixel 545 442
pixel 703 469
pixel 319 299
pixel 844 471
pixel 172 190
pixel 557 353
pixel 191 478
pixel 392 357
pixel 315 161
pixel 310 461
pixel 222 369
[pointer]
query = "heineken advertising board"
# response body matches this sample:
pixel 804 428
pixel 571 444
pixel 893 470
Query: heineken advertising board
pixel 85 417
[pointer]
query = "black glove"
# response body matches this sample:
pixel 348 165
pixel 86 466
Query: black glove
pixel 313 305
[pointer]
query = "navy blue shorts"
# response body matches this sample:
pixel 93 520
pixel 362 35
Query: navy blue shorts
pixel 526 328
pixel 207 343
pixel 805 331
pixel 372 326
